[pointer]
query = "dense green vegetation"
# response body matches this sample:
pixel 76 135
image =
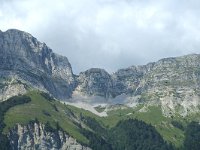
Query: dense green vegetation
pixel 97 135
pixel 192 137
pixel 133 134
pixel 4 106
pixel 177 125
pixel 127 134
pixel 97 142
pixel 152 115
pixel 123 128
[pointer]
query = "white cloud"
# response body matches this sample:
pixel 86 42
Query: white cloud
pixel 108 33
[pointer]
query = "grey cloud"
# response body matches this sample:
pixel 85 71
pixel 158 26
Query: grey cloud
pixel 107 33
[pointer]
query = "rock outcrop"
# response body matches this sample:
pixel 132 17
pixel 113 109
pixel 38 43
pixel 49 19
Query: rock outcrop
pixel 31 64
pixel 172 83
pixel 95 82
pixel 25 63
pixel 34 137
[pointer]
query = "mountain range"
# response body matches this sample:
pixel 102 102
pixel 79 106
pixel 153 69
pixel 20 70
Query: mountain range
pixel 168 89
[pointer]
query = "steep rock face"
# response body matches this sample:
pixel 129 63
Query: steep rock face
pixel 34 137
pixel 24 59
pixel 127 80
pixel 95 82
pixel 172 83
pixel 98 82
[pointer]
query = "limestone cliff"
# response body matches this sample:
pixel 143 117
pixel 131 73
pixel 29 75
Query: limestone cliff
pixel 95 82
pixel 34 137
pixel 172 83
pixel 27 63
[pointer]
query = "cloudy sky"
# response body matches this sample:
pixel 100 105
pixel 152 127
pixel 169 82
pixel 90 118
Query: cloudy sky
pixel 110 34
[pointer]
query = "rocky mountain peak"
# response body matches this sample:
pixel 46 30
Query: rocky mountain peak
pixel 95 81
pixel 26 60
pixel 16 37
pixel 26 63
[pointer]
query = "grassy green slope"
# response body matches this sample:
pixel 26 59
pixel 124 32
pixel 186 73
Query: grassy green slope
pixel 154 117
pixel 45 111
pixel 53 111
